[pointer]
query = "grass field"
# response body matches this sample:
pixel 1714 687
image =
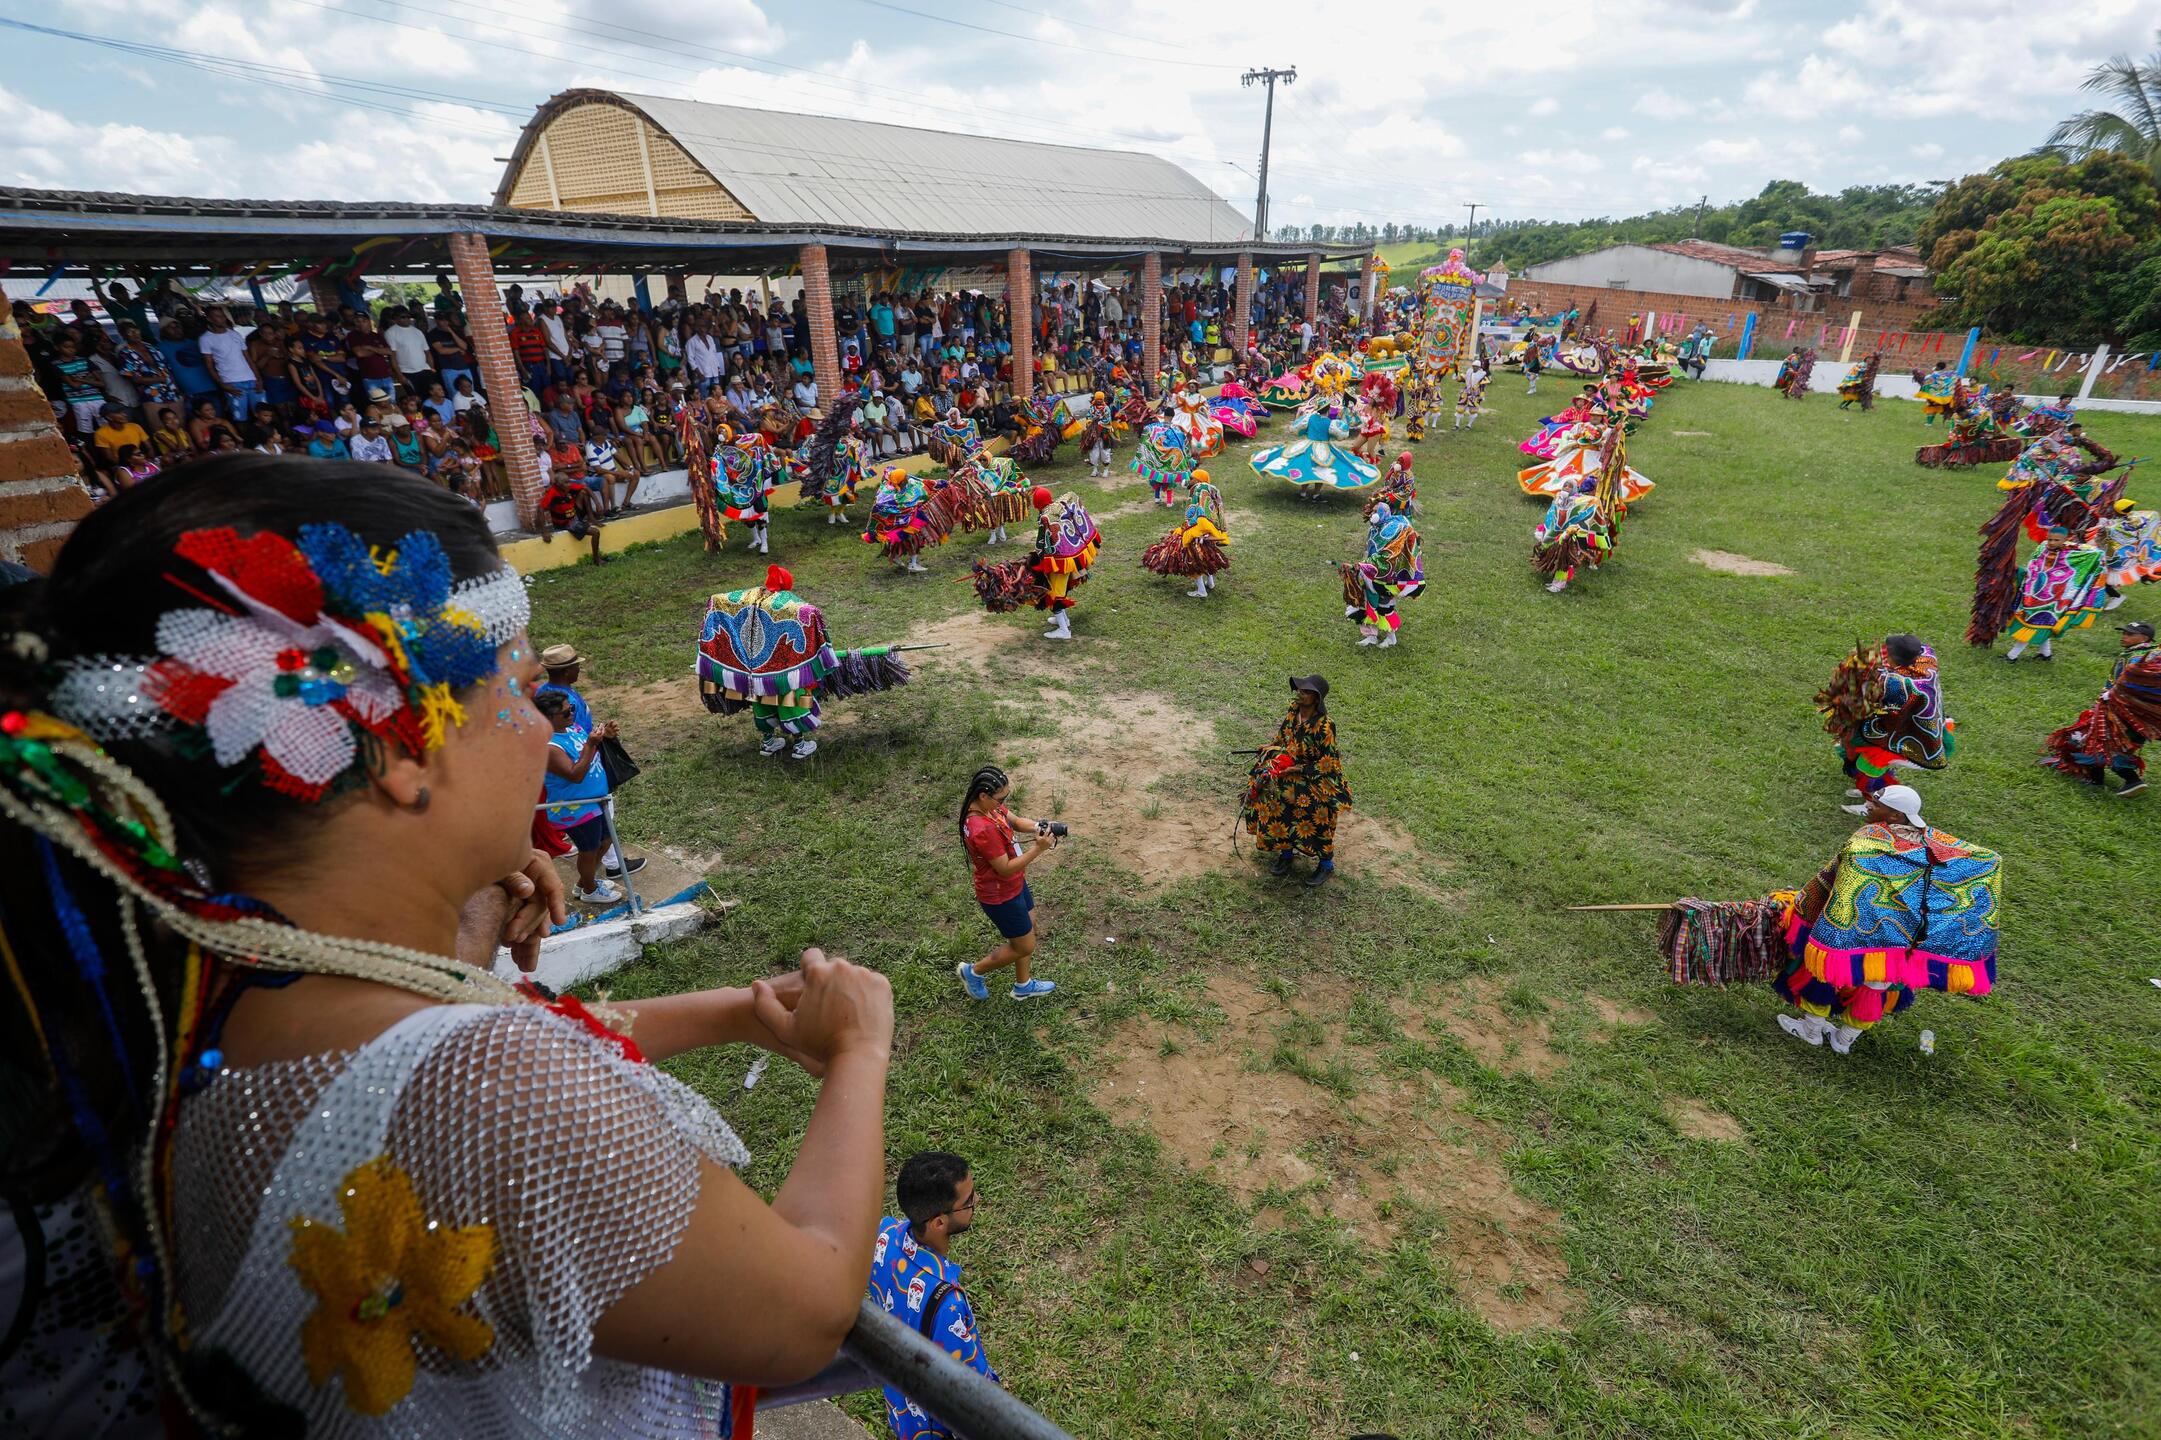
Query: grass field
pixel 1417 1152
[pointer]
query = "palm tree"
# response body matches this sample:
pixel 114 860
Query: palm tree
pixel 2133 128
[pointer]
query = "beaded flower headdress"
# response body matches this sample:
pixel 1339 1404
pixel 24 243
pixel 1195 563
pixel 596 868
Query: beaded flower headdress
pixel 304 654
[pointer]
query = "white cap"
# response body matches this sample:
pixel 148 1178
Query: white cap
pixel 1904 799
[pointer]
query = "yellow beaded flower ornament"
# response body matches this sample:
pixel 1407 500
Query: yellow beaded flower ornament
pixel 393 1277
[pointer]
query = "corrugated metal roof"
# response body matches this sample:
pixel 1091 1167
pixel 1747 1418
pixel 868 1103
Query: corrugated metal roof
pixel 818 170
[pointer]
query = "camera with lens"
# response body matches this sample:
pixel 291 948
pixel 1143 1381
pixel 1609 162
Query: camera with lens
pixel 1056 829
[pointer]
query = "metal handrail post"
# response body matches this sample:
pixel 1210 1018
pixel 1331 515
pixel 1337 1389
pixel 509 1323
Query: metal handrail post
pixel 630 883
pixel 969 1405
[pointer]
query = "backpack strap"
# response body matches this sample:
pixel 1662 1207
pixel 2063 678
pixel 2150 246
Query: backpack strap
pixel 928 1321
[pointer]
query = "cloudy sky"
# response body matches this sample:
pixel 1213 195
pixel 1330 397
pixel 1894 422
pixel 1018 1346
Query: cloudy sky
pixel 1552 109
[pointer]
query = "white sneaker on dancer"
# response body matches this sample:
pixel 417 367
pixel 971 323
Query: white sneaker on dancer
pixel 804 749
pixel 1842 1038
pixel 915 565
pixel 1367 635
pixel 1061 628
pixel 774 745
pixel 1200 588
pixel 1559 584
pixel 1810 1028
pixel 1387 640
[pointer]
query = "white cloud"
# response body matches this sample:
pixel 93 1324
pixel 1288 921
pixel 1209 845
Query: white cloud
pixel 1613 132
pixel 1574 162
pixel 1731 152
pixel 1545 105
pixel 41 147
pixel 1928 151
pixel 1849 134
pixel 1663 105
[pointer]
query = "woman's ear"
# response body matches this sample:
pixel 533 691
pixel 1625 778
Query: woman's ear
pixel 399 778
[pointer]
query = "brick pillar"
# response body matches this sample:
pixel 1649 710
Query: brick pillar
pixel 818 305
pixel 1020 315
pixel 1368 297
pixel 1151 319
pixel 1241 309
pixel 41 487
pixel 487 327
pixel 1313 287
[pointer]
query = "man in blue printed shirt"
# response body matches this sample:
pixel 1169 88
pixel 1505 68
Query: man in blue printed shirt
pixel 917 1284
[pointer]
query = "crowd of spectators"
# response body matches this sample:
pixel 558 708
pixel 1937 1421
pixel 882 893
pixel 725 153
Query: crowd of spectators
pixel 156 382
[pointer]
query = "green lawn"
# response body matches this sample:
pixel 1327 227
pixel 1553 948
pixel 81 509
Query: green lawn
pixel 1888 1244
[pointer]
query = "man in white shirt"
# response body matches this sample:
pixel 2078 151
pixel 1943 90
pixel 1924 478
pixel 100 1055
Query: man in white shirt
pixel 1305 336
pixel 225 352
pixel 703 356
pixel 371 443
pixel 806 394
pixel 614 335
pixel 1114 314
pixel 551 320
pixel 911 379
pixel 409 350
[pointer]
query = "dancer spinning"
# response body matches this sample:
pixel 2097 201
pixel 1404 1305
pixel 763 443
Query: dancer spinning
pixel 1314 462
pixel 1582 525
pixel 1192 416
pixel 1194 547
pixel 833 461
pixel 1399 490
pixel 1885 705
pixel 2108 735
pixel 2064 510
pixel 1580 456
pixel 1096 438
pixel 1372 432
pixel 1902 907
pixel 1296 786
pixel 953 439
pixel 1066 544
pixel 1392 573
pixel 765 650
pixel 1793 373
pixel 1939 391
pixel 1163 460
pixel 746 471
pixel 1859 385
pixel 899 520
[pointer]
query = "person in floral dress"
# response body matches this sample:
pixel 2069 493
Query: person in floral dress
pixel 1296 786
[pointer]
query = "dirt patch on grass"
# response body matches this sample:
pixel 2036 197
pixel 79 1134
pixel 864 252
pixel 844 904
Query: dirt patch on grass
pixel 1701 1122
pixel 1613 1012
pixel 1726 562
pixel 1114 773
pixel 1275 1104
pixel 1504 1034
pixel 661 708
pixel 977 640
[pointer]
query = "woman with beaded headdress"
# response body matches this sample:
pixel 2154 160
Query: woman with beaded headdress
pixel 353 1181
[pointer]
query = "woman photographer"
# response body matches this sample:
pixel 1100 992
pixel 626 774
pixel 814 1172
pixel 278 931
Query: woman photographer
pixel 1001 881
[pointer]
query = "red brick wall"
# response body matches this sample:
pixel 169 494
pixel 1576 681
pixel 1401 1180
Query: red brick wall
pixel 1151 317
pixel 1614 307
pixel 486 323
pixel 818 304
pixel 41 490
pixel 1020 312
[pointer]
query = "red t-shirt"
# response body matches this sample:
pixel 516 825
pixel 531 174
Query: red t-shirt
pixel 990 835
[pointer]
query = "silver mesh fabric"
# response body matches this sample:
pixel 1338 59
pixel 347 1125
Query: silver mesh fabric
pixel 585 1165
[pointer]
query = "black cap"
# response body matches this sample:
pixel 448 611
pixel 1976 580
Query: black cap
pixel 1315 683
pixel 2139 627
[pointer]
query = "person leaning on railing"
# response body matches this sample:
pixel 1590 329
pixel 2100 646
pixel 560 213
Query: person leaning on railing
pixel 252 771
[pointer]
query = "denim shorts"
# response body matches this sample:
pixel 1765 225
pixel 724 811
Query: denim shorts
pixel 1011 916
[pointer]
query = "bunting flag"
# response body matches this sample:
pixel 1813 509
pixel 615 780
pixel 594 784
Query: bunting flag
pixel 1790 324
pixel 1879 338
pixel 2155 363
pixel 1729 322
pixel 1940 338
pixel 2050 363
pixel 52 279
pixel 1902 342
pixel 1992 354
pixel 2022 359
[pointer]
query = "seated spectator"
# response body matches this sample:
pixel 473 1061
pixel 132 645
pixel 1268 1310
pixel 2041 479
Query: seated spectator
pixel 439 405
pixel 326 443
pixel 569 503
pixel 463 397
pixel 370 445
pixel 207 425
pixel 170 439
pixel 114 432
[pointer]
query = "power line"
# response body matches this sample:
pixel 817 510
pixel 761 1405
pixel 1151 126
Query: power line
pixel 1080 24
pixel 1039 40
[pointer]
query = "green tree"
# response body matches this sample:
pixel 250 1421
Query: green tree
pixel 2043 250
pixel 2132 128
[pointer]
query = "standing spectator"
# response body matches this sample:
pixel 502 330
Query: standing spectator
pixel 322 350
pixel 409 347
pixel 576 782
pixel 225 353
pixel 551 324
pixel 918 1282
pixel 145 369
pixel 184 359
pixel 564 666
pixel 78 384
pixel 373 359
pixel 703 355
pixel 446 345
pixel 449 305
pixel 614 335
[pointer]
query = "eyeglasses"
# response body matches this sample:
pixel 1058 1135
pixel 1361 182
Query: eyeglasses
pixel 973 1203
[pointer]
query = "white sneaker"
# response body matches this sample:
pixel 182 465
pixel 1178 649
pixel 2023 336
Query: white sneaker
pixel 1842 1038
pixel 1808 1028
pixel 1557 587
pixel 1387 641
pixel 1367 635
pixel 1852 793
pixel 1062 630
pixel 1854 809
pixel 1199 591
pixel 804 749
pixel 2113 601
pixel 601 894
pixel 915 565
pixel 774 745
pixel 832 517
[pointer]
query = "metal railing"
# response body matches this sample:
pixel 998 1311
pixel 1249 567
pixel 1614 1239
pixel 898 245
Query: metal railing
pixel 881 1350
pixel 607 817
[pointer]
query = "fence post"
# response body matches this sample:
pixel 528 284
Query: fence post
pixel 1965 356
pixel 1853 328
pixel 2093 371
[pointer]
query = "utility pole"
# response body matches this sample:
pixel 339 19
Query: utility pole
pixel 1697 233
pixel 1268 124
pixel 1471 231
